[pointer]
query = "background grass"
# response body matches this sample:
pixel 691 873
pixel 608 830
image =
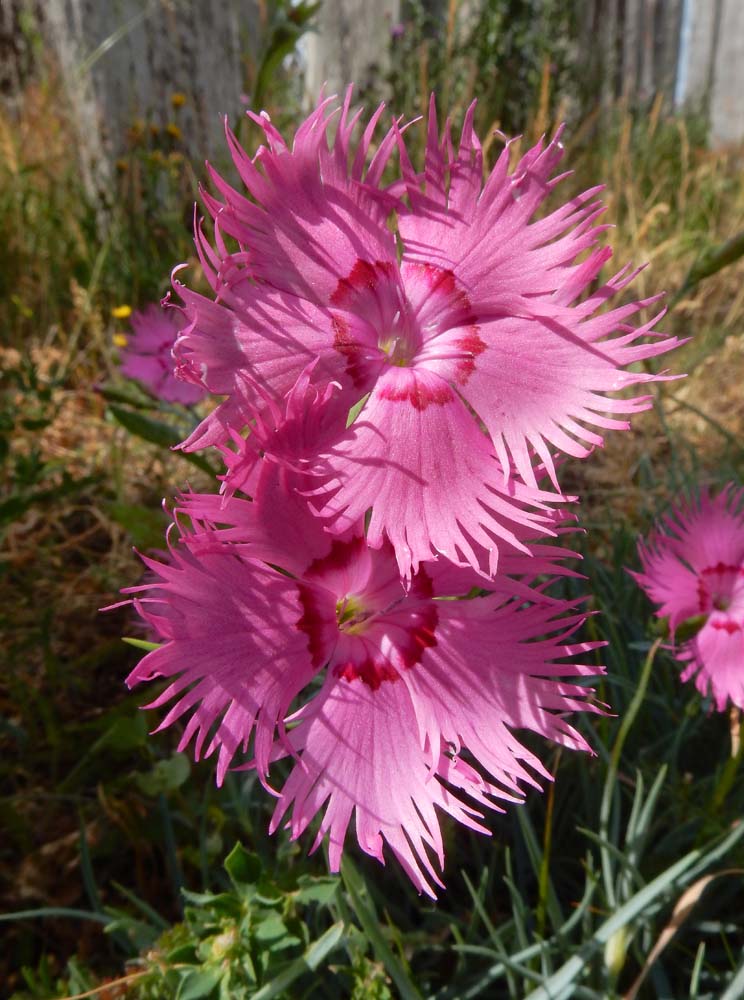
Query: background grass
pixel 103 826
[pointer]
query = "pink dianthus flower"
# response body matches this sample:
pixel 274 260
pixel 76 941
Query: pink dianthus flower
pixel 418 693
pixel 473 330
pixel 693 568
pixel 148 356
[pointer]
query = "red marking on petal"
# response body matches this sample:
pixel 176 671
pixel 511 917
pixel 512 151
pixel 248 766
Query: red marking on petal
pixel 423 638
pixel 726 626
pixel 442 281
pixel 345 344
pixel 703 596
pixel 418 394
pixel 416 620
pixel 721 568
pixel 471 345
pixel 440 278
pixel 364 276
pixel 342 554
pixel 315 621
pixel 342 338
pixel 371 672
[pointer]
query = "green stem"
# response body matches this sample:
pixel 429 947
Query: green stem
pixel 724 783
pixel 612 770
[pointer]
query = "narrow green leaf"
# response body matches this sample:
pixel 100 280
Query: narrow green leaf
pixel 141 643
pixel 48 912
pixel 710 262
pixel 610 786
pixel 156 432
pixel 675 877
pixel 152 915
pixel 131 396
pixel 371 927
pixel 312 958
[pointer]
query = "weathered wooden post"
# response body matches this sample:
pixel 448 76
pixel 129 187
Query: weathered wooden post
pixel 351 44
pixel 175 64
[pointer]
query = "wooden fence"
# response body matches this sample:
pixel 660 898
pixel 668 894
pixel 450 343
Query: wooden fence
pixel 690 50
pixel 124 59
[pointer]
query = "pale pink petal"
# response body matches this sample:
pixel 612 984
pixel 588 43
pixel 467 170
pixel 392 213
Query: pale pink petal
pixel 266 339
pixel 716 660
pixel 360 755
pixel 416 456
pixel 529 354
pixel 538 389
pixel 488 675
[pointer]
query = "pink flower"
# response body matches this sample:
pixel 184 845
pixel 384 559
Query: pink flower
pixel 474 330
pixel 693 568
pixel 416 701
pixel 148 356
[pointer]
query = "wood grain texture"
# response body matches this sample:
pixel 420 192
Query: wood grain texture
pixel 122 60
pixel 727 91
pixel 351 45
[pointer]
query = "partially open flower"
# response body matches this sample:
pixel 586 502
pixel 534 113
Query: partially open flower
pixel 693 569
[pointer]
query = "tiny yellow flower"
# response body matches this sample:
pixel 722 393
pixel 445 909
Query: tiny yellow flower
pixel 178 99
pixel 121 312
pixel 174 131
pixel 120 339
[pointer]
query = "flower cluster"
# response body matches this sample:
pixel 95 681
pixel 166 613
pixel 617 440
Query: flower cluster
pixel 693 569
pixel 402 366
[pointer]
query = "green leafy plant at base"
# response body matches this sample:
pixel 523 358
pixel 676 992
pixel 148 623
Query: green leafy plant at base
pixel 250 941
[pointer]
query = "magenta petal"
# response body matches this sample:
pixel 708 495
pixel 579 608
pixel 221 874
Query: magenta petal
pixel 278 527
pixel 148 356
pixel 235 655
pixel 693 568
pixel 360 754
